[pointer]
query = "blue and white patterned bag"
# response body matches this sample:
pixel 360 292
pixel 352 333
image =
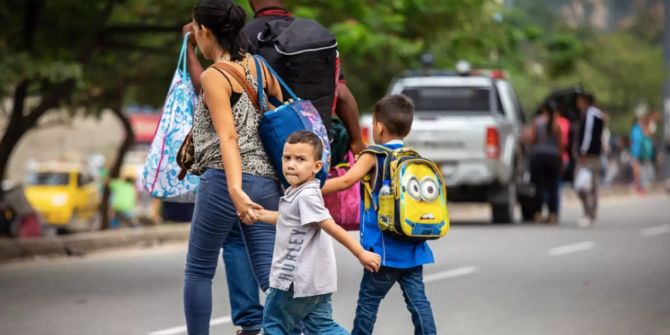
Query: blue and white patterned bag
pixel 159 177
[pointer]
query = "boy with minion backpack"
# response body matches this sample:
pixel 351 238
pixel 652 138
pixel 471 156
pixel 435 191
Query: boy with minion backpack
pixel 404 204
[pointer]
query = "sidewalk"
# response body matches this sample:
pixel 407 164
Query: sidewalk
pixel 83 243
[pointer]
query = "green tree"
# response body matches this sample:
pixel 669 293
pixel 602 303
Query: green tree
pixel 381 39
pixel 93 54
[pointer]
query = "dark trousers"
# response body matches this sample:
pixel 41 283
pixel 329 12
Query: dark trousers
pixel 545 170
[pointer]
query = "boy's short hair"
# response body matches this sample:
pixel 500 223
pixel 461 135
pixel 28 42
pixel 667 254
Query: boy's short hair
pixel 396 112
pixel 307 137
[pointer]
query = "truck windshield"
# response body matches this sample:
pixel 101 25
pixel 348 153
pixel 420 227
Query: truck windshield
pixel 450 99
pixel 48 179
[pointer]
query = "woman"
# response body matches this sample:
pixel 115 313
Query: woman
pixel 545 163
pixel 236 174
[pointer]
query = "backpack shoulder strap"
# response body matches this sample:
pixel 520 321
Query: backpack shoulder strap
pixel 376 150
pixel 380 150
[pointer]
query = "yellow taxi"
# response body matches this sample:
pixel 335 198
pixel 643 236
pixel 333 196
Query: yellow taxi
pixel 65 195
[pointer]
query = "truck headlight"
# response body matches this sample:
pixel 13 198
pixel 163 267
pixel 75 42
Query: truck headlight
pixel 59 200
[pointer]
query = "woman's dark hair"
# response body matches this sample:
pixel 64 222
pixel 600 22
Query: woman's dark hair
pixel 225 20
pixel 552 107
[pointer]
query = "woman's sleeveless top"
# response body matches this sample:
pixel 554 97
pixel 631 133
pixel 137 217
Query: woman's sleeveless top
pixel 255 160
pixel 545 142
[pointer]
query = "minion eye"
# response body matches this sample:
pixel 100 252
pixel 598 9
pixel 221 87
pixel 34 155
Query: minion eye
pixel 429 189
pixel 414 188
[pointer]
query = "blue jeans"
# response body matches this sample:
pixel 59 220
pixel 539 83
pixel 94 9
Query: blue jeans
pixel 245 305
pixel 214 217
pixel 375 286
pixel 283 313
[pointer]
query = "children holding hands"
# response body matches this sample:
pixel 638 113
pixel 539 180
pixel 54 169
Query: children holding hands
pixel 304 275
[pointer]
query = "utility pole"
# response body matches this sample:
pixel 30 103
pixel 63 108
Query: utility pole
pixel 664 146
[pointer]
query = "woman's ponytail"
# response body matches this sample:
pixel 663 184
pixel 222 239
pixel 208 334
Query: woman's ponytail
pixel 225 20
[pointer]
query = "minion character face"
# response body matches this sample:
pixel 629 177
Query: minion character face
pixel 423 199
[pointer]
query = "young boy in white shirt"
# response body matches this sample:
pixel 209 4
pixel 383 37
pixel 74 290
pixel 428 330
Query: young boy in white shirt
pixel 303 274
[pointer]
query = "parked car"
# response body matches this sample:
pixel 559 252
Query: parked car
pixel 470 123
pixel 65 195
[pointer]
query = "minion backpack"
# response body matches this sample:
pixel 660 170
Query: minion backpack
pixel 412 201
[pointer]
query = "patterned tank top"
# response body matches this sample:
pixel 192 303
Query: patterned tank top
pixel 255 160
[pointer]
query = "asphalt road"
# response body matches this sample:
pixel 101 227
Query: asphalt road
pixel 520 279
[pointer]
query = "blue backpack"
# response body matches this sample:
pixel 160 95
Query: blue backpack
pixel 294 115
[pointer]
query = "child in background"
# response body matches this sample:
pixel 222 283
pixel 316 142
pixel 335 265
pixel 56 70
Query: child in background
pixel 303 274
pixel 402 260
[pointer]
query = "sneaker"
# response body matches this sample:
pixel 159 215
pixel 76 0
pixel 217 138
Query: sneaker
pixel 585 223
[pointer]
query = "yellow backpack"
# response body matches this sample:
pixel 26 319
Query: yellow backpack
pixel 412 202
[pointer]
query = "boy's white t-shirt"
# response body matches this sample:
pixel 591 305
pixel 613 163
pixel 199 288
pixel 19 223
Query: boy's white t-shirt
pixel 303 252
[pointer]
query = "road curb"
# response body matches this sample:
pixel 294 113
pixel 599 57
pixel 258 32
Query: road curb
pixel 88 242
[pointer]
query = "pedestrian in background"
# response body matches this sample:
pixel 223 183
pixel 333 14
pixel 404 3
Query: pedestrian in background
pixel 123 202
pixel 546 139
pixel 641 149
pixel 589 149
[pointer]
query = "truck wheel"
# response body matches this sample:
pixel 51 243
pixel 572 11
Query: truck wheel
pixel 503 200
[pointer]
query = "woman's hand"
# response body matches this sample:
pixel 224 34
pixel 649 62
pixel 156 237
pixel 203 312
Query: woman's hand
pixel 188 28
pixel 356 147
pixel 246 209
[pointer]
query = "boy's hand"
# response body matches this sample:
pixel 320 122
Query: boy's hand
pixel 370 260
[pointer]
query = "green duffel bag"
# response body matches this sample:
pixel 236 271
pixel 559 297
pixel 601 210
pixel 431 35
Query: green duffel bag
pixel 340 143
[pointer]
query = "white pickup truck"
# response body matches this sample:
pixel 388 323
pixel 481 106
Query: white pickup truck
pixel 470 125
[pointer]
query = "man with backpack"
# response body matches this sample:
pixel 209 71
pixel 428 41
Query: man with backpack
pixel 305 55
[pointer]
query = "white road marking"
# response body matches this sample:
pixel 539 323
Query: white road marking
pixel 182 329
pixel 432 277
pixel 653 231
pixel 450 274
pixel 568 249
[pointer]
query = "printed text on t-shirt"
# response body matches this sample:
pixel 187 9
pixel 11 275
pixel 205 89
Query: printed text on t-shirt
pixel 291 259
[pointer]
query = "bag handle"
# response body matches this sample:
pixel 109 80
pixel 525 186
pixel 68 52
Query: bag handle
pixel 281 81
pixel 182 63
pixel 351 159
pixel 253 96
